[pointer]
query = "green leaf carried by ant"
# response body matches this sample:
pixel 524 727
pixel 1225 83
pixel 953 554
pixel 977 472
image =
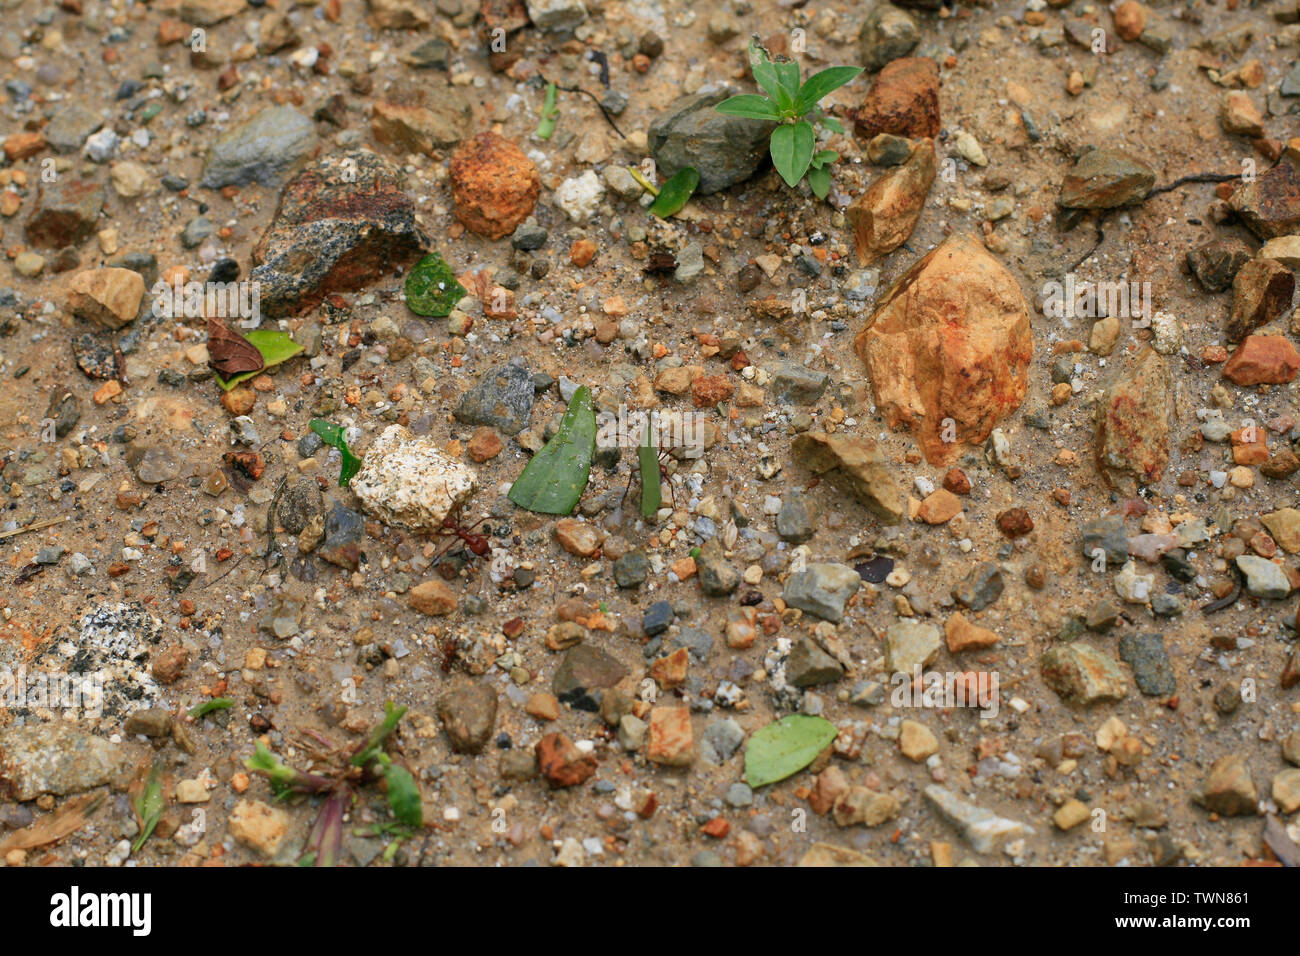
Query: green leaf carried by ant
pixel 431 287
pixel 554 480
pixel 796 109
pixel 276 348
pixel 550 113
pixel 209 706
pixel 647 456
pixel 675 193
pixel 332 435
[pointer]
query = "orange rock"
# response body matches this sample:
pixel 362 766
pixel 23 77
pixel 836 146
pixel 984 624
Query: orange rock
pixel 939 507
pixel 1263 360
pixel 670 671
pixel 108 391
pixel 948 350
pixel 670 741
pixel 1130 19
pixel 22 145
pixel 561 763
pixel 885 215
pixel 483 445
pixel 494 185
pixel 963 635
pixel 708 390
pixel 582 252
pixel 903 100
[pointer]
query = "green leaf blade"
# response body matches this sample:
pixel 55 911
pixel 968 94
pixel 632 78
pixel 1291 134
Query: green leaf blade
pixel 820 84
pixel 784 747
pixel 403 796
pixel 554 480
pixel 749 106
pixel 676 193
pixel 819 181
pixel 792 150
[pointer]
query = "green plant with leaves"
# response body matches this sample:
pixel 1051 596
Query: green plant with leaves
pixel 796 109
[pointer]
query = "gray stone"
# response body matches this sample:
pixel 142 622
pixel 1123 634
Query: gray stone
pixel 1146 655
pixel 717 575
pixel 792 384
pixel 980 588
pixel 822 589
pixel 344 530
pixel 1264 579
pixel 631 569
pixel 263 150
pixel 887 34
pixel 808 665
pixel 502 398
pixel 910 646
pixel 58 759
pixel 469 715
pixel 300 504
pixel 584 672
pixel 724 149
pixel 71 126
pixel 984 830
pixel 153 464
pixel 794 522
pixel 1108 534
pixel 196 230
pixel 720 740
pixel 658 616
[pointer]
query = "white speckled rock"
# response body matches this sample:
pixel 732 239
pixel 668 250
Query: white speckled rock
pixel 407 481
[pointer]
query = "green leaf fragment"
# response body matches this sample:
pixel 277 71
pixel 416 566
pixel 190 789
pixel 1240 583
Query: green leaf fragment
pixel 675 193
pixel 208 706
pixel 554 480
pixel 276 348
pixel 382 731
pixel 332 435
pixel 819 180
pixel 784 747
pixel 431 287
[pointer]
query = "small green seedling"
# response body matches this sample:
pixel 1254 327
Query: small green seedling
pixel 550 112
pixel 795 107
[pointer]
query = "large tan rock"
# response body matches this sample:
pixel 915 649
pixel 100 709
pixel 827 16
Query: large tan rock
pixel 109 297
pixel 948 350
pixel 885 215
pixel 1133 425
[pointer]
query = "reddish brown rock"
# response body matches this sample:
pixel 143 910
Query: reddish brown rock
pixel 948 350
pixel 494 185
pixel 1261 291
pixel 1133 425
pixel 1130 19
pixel 903 100
pixel 885 215
pixel 962 634
pixel 1270 205
pixel 562 763
pixel 23 145
pixel 341 224
pixel 67 212
pixel 1263 360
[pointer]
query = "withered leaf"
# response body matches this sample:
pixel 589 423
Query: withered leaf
pixel 229 353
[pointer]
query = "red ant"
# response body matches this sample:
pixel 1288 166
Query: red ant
pixel 476 543
pixel 448 652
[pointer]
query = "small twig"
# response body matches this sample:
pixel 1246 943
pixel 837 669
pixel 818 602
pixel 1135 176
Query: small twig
pixel 34 526
pixel 270 525
pixel 1228 599
pixel 1195 178
pixel 232 568
pixel 1101 237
